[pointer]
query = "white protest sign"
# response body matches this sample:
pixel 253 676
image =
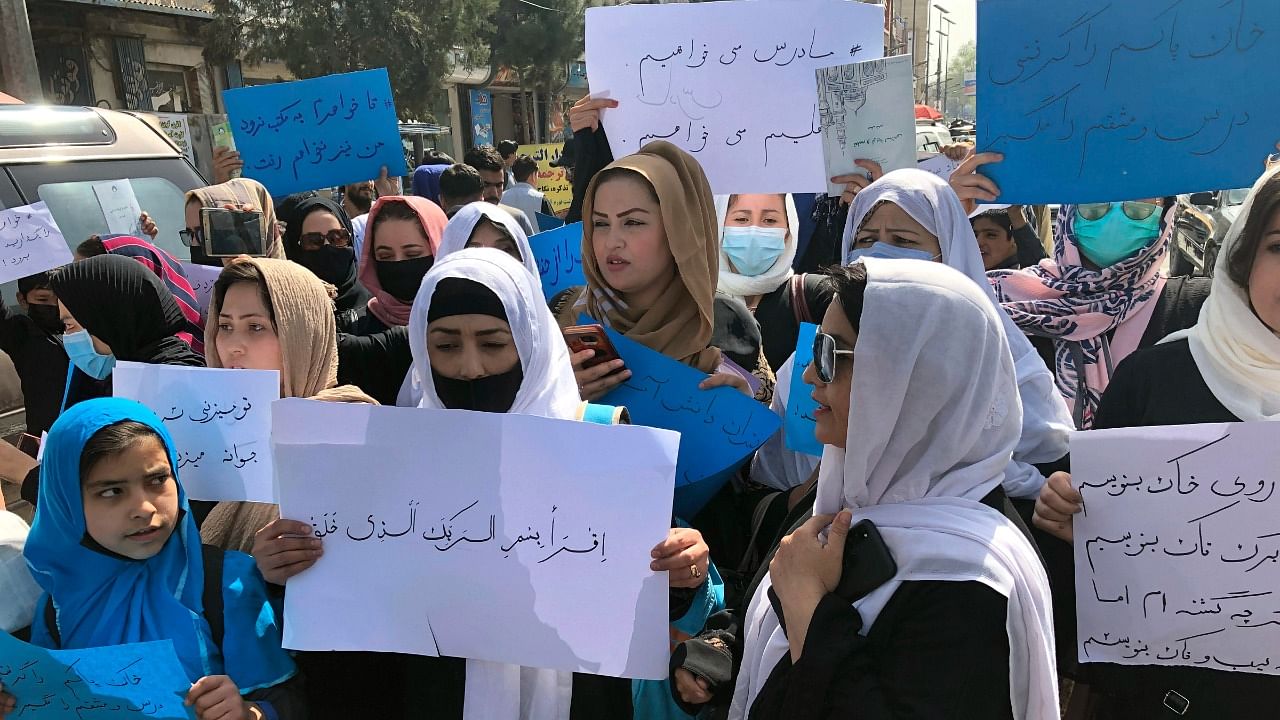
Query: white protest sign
pixel 220 421
pixel 478 535
pixel 30 242
pixel 202 279
pixel 119 207
pixel 1178 547
pixel 939 165
pixel 730 82
pixel 867 112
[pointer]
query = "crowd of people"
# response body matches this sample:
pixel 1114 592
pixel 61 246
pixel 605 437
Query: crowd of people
pixel 921 567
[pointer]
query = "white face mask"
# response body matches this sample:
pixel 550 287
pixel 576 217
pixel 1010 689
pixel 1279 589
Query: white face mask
pixel 753 249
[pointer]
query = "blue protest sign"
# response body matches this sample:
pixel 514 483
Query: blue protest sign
pixel 316 133
pixel 719 428
pixel 559 256
pixel 1096 100
pixel 548 222
pixel 121 682
pixel 799 426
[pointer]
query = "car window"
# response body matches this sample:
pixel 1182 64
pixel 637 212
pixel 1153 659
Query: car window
pixel 1237 197
pixel 76 210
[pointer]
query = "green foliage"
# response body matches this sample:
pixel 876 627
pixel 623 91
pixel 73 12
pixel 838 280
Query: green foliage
pixel 538 41
pixel 414 39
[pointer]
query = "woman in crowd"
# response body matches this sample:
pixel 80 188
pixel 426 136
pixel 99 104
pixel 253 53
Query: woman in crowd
pixel 758 237
pixel 403 239
pixel 318 236
pixel 117 553
pixel 240 194
pixel 1225 368
pixel 268 314
pixel 651 260
pixel 1103 295
pixel 165 266
pixel 958 624
pixel 1005 238
pixel 483 224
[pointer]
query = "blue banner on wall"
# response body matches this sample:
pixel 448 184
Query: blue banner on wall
pixel 481 117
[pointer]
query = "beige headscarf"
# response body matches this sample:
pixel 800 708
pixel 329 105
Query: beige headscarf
pixel 679 325
pixel 247 192
pixel 304 322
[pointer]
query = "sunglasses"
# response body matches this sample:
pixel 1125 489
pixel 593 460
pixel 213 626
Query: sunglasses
pixel 824 357
pixel 1132 210
pixel 192 238
pixel 338 238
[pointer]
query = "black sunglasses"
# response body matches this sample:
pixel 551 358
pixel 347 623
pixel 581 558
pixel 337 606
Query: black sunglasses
pixel 824 357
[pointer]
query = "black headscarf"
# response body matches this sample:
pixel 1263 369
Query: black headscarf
pixel 336 266
pixel 126 306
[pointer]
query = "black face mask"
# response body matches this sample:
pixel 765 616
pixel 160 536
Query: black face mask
pixel 403 278
pixel 493 393
pixel 331 264
pixel 45 317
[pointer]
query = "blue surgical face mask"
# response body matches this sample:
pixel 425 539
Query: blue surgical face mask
pixel 79 347
pixel 1114 237
pixel 752 249
pixel 891 252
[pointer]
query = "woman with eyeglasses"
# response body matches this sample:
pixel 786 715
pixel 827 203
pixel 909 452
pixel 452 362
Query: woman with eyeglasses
pixel 1226 368
pixel 318 236
pixel 241 195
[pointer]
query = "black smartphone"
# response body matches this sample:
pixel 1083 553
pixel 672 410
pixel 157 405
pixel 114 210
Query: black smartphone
pixel 868 564
pixel 231 233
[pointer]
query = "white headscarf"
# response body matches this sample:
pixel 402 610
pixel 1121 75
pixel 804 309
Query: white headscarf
pixel 742 286
pixel 1238 356
pixel 458 232
pixel 1046 420
pixel 498 690
pixel 928 437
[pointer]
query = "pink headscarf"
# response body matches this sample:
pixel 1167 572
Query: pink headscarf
pixel 383 305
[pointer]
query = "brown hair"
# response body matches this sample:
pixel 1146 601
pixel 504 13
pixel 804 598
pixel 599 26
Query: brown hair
pixel 113 440
pixel 1265 204
pixel 243 271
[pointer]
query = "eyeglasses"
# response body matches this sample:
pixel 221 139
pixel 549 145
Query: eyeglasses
pixel 824 357
pixel 338 237
pixel 1132 210
pixel 192 238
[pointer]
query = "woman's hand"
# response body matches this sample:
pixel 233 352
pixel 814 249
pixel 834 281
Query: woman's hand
pixel 973 187
pixel 693 689
pixel 586 112
pixel 855 183
pixel 684 555
pixel 226 163
pixel 596 381
pixel 7 703
pixel 386 185
pixel 285 548
pixel 216 697
pixel 804 570
pixel 957 152
pixel 148 226
pixel 1058 501
pixel 726 379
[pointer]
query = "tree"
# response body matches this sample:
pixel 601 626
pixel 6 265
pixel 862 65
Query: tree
pixel 538 40
pixel 418 41
pixel 965 60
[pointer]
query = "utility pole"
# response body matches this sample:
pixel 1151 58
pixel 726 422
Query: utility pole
pixel 18 53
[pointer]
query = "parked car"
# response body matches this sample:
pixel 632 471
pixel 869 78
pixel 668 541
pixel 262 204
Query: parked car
pixel 56 154
pixel 1200 222
pixel 931 136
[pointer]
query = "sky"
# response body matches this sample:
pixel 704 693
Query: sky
pixel 963 14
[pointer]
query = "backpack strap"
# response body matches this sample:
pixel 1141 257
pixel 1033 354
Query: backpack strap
pixel 603 414
pixel 212 556
pixel 799 302
pixel 212 598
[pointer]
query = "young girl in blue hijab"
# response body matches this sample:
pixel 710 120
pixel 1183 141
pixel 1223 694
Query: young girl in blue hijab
pixel 117 553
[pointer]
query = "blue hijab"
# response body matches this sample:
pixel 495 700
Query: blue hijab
pixel 103 599
pixel 426 181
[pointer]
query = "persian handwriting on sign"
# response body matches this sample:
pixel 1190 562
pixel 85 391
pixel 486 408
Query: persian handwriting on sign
pixel 220 421
pixel 490 519
pixel 123 682
pixel 311 133
pixel 119 206
pixel 1098 87
pixel 202 279
pixel 741 98
pixel 553 182
pixel 558 253
pixel 1178 547
pixel 30 242
pixel 800 425
pixel 867 112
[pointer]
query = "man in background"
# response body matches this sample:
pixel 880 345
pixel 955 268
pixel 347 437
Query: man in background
pixel 508 149
pixel 459 185
pixel 486 160
pixel 523 194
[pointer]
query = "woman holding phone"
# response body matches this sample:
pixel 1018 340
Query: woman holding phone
pixel 241 195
